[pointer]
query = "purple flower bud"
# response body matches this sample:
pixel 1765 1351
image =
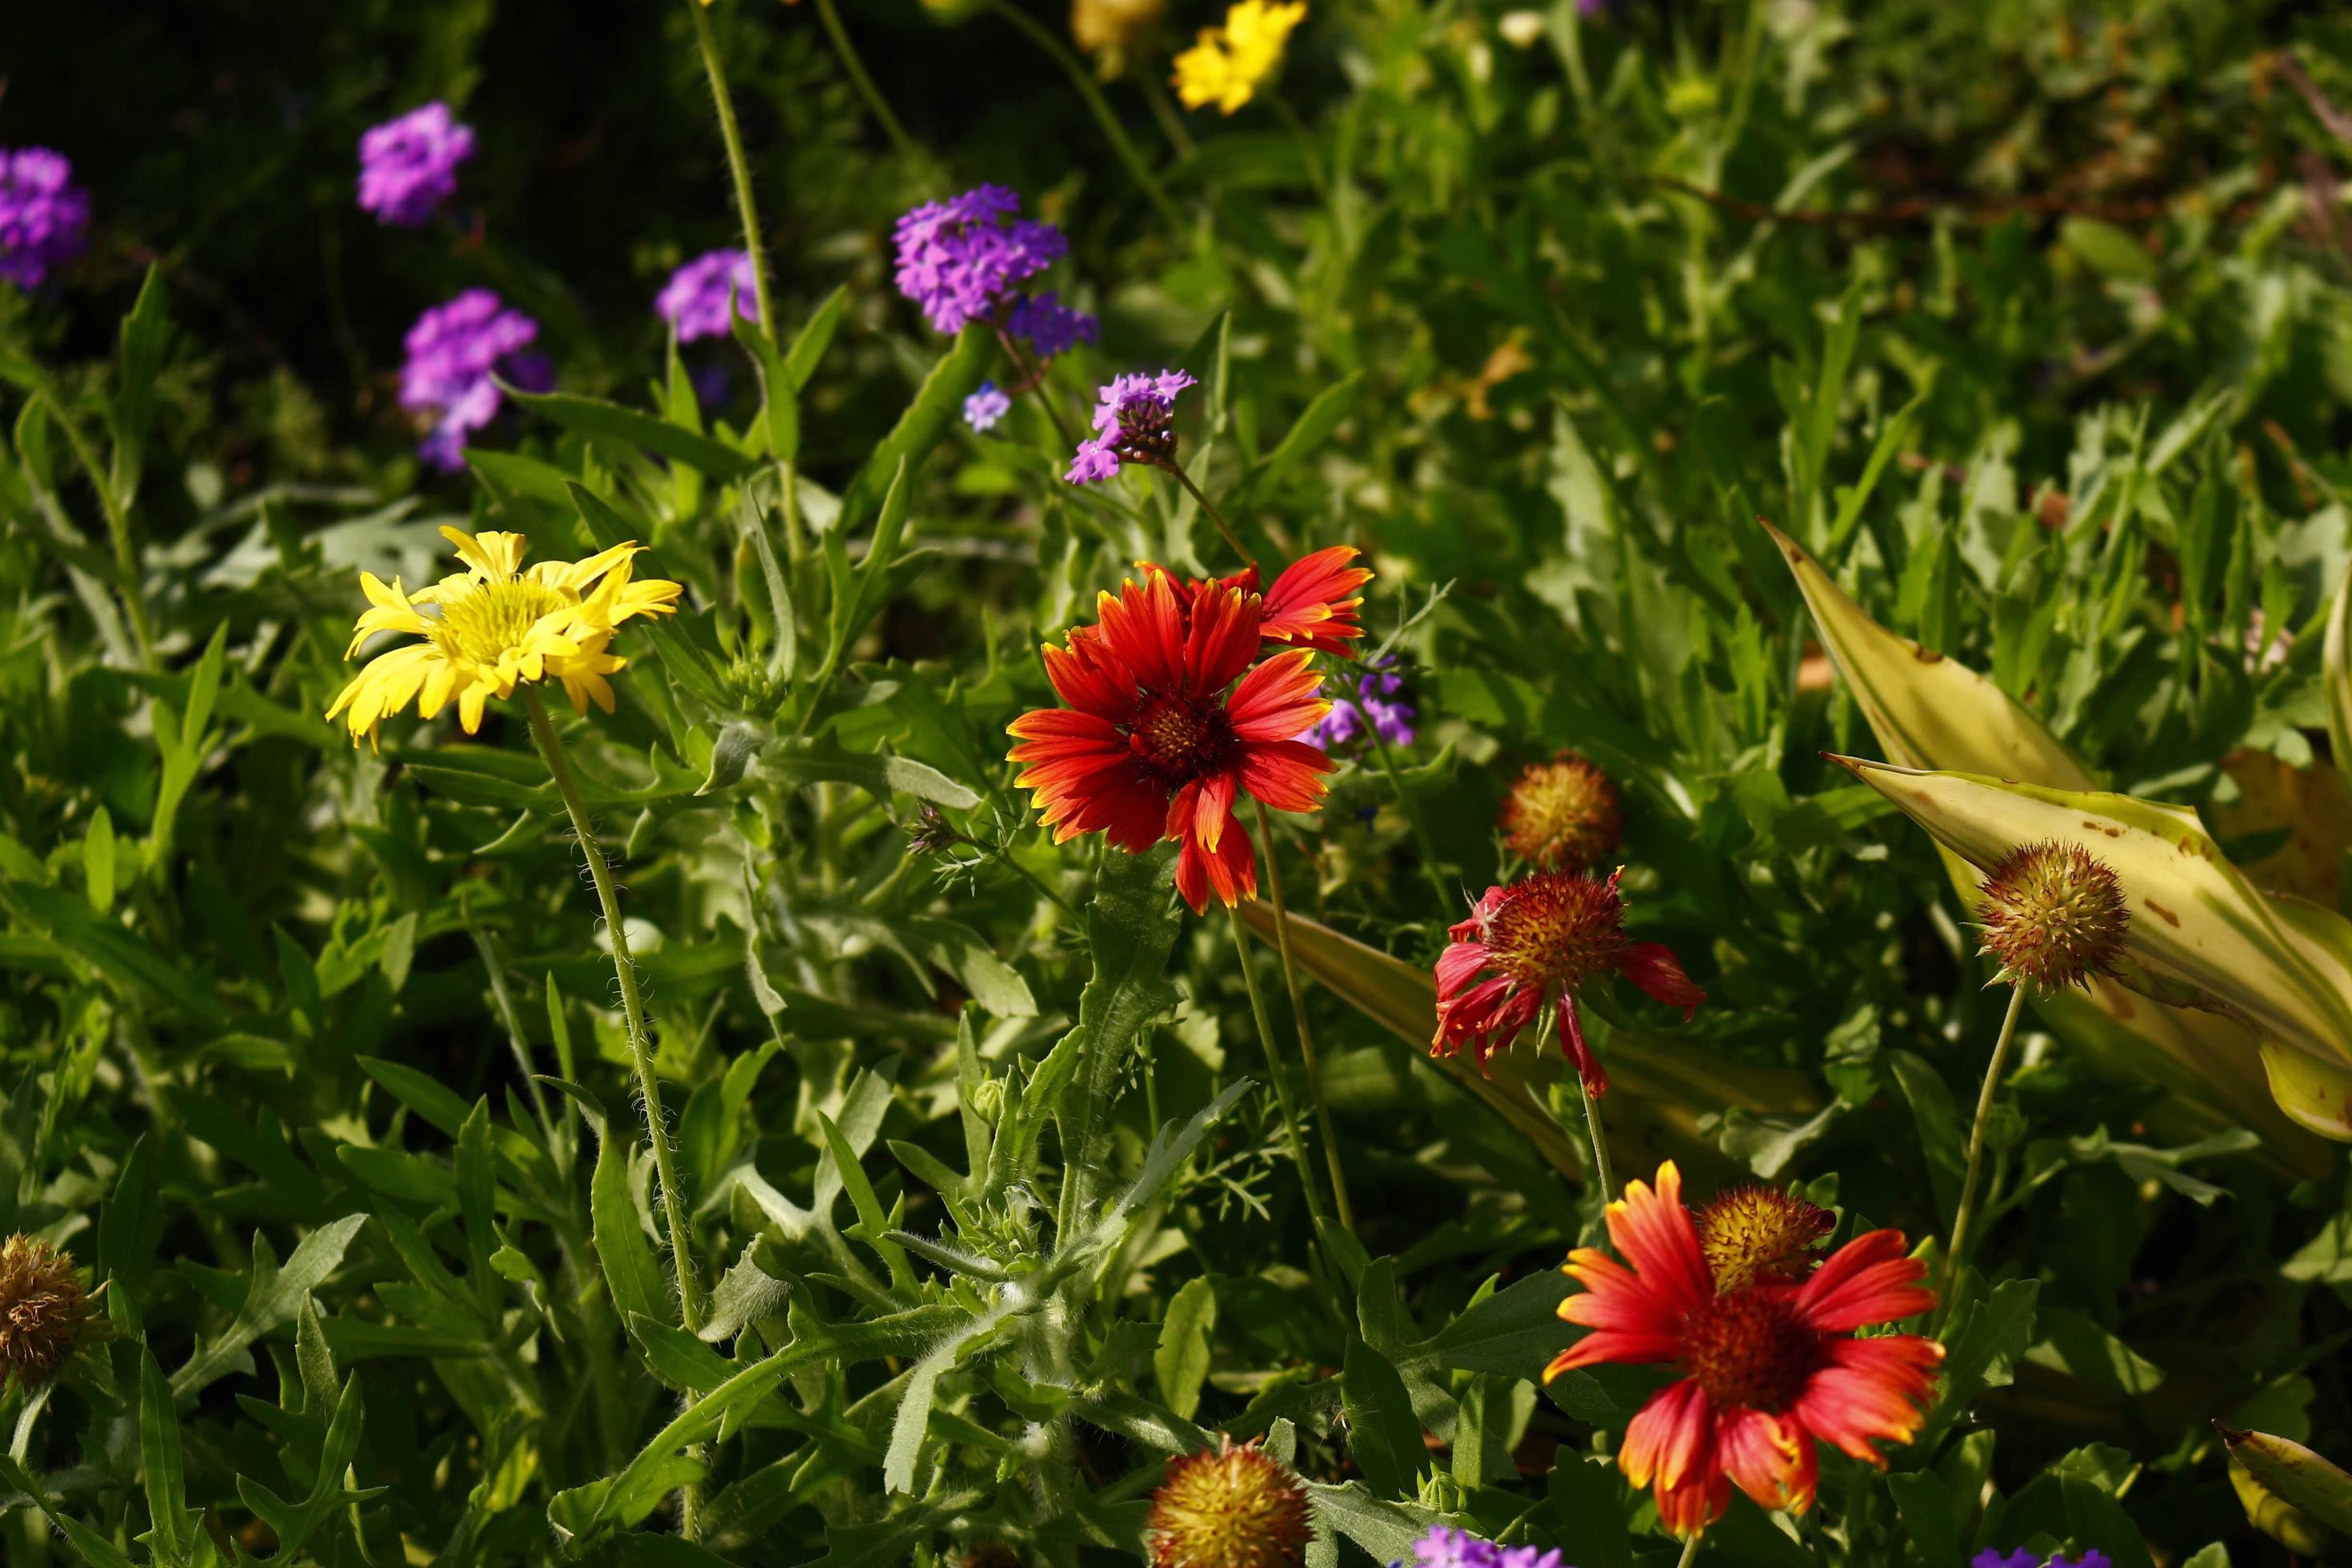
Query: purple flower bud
pixel 983 409
pixel 408 166
pixel 43 216
pixel 694 301
pixel 452 351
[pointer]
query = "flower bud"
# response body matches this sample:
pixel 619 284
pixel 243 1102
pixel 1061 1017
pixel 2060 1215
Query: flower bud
pixel 43 1308
pixel 1233 1507
pixel 2054 915
pixel 1750 1233
pixel 1562 815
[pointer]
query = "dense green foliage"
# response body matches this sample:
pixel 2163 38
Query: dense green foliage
pixel 2032 323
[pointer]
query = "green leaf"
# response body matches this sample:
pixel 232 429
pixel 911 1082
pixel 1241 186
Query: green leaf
pixel 96 1549
pixel 814 336
pixel 2335 673
pixel 814 761
pixel 420 1092
pixel 1514 1332
pixel 1383 1436
pixel 131 1224
pixel 1983 1341
pixel 145 331
pixel 2296 1474
pixel 1313 427
pixel 678 654
pixel 639 1286
pixel 1942 1138
pixel 273 1296
pixel 678 1356
pixel 937 406
pixel 119 955
pixel 1927 1522
pixel 1180 1363
pixel 2110 251
pixel 175 1528
pixel 609 421
pixel 98 860
pixel 779 393
pixel 294 1524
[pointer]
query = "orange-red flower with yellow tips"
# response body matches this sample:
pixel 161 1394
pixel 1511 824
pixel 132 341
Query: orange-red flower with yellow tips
pixel 1769 1366
pixel 1176 711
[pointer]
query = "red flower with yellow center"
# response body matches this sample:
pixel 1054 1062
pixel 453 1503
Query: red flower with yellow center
pixel 1173 718
pixel 1544 937
pixel 1312 605
pixel 1768 1366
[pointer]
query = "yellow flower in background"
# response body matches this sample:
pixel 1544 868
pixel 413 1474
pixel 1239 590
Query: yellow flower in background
pixel 495 626
pixel 1229 62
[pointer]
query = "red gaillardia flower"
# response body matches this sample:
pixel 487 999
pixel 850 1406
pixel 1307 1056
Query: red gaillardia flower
pixel 1312 603
pixel 1173 718
pixel 1544 936
pixel 1768 1366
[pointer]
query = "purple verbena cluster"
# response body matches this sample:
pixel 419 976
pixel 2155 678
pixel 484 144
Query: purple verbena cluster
pixel 2021 1558
pixel 452 351
pixel 44 215
pixel 958 259
pixel 1131 408
pixel 1377 707
pixel 694 301
pixel 1445 1547
pixel 408 166
pixel 1050 326
pixel 984 408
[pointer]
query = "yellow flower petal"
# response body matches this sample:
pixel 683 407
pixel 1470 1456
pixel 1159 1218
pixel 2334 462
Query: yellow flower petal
pixel 495 557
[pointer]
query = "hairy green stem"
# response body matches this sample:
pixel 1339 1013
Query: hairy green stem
pixel 1953 1264
pixel 866 89
pixel 1034 377
pixel 1412 809
pixel 1306 1033
pixel 118 530
pixel 1298 1144
pixel 737 164
pixel 1601 1171
pixel 1113 131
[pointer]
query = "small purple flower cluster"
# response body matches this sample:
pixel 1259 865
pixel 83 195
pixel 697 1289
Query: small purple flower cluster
pixel 1050 326
pixel 1447 1548
pixel 2021 1558
pixel 694 301
pixel 43 216
pixel 959 257
pixel 408 166
pixel 452 351
pixel 1379 707
pixel 1130 407
pixel 983 409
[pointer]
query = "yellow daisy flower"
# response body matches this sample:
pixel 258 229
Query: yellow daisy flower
pixel 1229 62
pixel 496 626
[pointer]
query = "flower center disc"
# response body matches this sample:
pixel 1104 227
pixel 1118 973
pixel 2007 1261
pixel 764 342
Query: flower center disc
pixel 1183 737
pixel 1750 1349
pixel 489 619
pixel 1555 928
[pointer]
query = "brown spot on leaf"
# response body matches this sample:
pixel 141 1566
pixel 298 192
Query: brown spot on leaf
pixel 1924 654
pixel 2162 913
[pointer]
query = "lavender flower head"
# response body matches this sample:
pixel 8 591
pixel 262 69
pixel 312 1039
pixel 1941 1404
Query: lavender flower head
pixel 1378 707
pixel 1132 426
pixel 1447 1548
pixel 958 259
pixel 1990 1558
pixel 2091 1559
pixel 694 301
pixel 408 166
pixel 452 351
pixel 43 216
pixel 983 409
pixel 1050 326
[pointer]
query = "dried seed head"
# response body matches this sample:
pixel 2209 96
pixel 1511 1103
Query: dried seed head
pixel 43 1308
pixel 1750 1233
pixel 2054 915
pixel 989 1554
pixel 1562 815
pixel 1235 1507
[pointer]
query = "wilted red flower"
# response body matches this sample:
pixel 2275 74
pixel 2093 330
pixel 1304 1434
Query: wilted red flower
pixel 44 1311
pixel 1543 937
pixel 1768 1367
pixel 1174 717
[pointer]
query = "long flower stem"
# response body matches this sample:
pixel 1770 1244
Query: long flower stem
pixel 1953 1264
pixel 737 164
pixel 681 1239
pixel 1172 466
pixel 1281 1084
pixel 1113 131
pixel 1601 1171
pixel 875 101
pixel 1690 1550
pixel 1306 1033
pixel 1034 376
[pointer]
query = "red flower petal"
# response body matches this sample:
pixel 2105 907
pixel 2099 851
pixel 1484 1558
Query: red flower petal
pixel 1671 1437
pixel 1457 965
pixel 1284 774
pixel 1143 630
pixel 1652 1231
pixel 1223 639
pixel 1313 604
pixel 1653 967
pixel 1868 1280
pixel 1231 872
pixel 1769 1459
pixel 1278 699
pixel 1571 1042
pixel 1871 1389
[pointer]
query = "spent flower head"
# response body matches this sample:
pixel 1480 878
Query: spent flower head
pixel 2054 915
pixel 695 300
pixel 44 1311
pixel 1750 1232
pixel 494 628
pixel 959 258
pixel 44 215
pixel 1562 815
pixel 1229 1508
pixel 408 166
pixel 1229 63
pixel 455 351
